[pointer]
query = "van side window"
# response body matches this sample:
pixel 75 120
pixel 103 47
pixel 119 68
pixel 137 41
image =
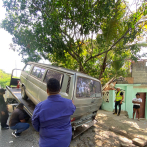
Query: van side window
pixel 38 72
pixel 53 74
pixel 87 88
pixel 27 68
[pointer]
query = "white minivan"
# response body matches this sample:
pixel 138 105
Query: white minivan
pixel 84 90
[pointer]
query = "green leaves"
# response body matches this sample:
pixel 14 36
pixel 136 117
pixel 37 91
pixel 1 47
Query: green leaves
pixel 4 79
pixel 75 34
pixel 117 64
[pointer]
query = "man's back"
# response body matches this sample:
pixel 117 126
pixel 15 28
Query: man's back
pixel 52 119
pixel 3 110
pixel 55 112
pixel 16 116
pixel 3 105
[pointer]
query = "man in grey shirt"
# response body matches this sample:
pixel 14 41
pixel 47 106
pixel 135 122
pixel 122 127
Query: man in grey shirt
pixel 17 121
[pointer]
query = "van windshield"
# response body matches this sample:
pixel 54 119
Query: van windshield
pixel 87 88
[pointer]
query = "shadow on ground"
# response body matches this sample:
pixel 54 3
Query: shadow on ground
pixel 111 130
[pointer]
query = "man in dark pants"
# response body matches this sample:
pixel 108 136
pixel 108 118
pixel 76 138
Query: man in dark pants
pixel 118 100
pixel 17 121
pixel 3 110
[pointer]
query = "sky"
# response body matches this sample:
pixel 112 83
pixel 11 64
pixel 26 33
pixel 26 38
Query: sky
pixel 10 59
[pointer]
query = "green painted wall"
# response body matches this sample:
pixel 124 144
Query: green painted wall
pixel 130 92
pixel 109 105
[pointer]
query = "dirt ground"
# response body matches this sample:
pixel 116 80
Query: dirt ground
pixel 112 130
pixel 109 131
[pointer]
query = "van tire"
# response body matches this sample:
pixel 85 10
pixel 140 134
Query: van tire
pixel 23 93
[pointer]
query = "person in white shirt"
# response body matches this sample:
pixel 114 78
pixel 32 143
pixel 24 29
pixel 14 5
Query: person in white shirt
pixel 136 104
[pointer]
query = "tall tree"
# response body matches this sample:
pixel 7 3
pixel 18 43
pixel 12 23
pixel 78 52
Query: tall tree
pixel 75 34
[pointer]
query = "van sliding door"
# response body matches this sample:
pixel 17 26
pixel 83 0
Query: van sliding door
pixel 34 82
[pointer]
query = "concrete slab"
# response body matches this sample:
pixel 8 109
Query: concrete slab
pixel 139 142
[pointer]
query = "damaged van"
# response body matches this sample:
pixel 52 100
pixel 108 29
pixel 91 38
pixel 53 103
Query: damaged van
pixel 83 90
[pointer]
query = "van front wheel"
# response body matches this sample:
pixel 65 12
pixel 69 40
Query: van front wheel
pixel 23 93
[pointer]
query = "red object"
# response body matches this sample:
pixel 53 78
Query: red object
pixel 18 84
pixel 72 119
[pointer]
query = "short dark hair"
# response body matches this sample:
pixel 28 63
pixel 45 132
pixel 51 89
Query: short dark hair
pixel 53 85
pixel 20 105
pixel 137 94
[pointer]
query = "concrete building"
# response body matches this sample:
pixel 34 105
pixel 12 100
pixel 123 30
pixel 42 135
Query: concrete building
pixel 139 72
pixel 129 91
pixel 129 86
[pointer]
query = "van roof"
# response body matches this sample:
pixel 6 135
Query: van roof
pixel 61 68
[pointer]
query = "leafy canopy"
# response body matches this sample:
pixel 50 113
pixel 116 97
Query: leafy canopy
pixel 85 35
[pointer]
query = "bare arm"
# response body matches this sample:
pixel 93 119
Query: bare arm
pixel 122 97
pixel 136 102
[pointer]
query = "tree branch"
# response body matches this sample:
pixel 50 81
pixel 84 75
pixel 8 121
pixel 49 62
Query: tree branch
pixel 65 33
pixel 110 47
pixel 103 66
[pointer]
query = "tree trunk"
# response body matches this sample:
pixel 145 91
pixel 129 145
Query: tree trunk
pixel 81 68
